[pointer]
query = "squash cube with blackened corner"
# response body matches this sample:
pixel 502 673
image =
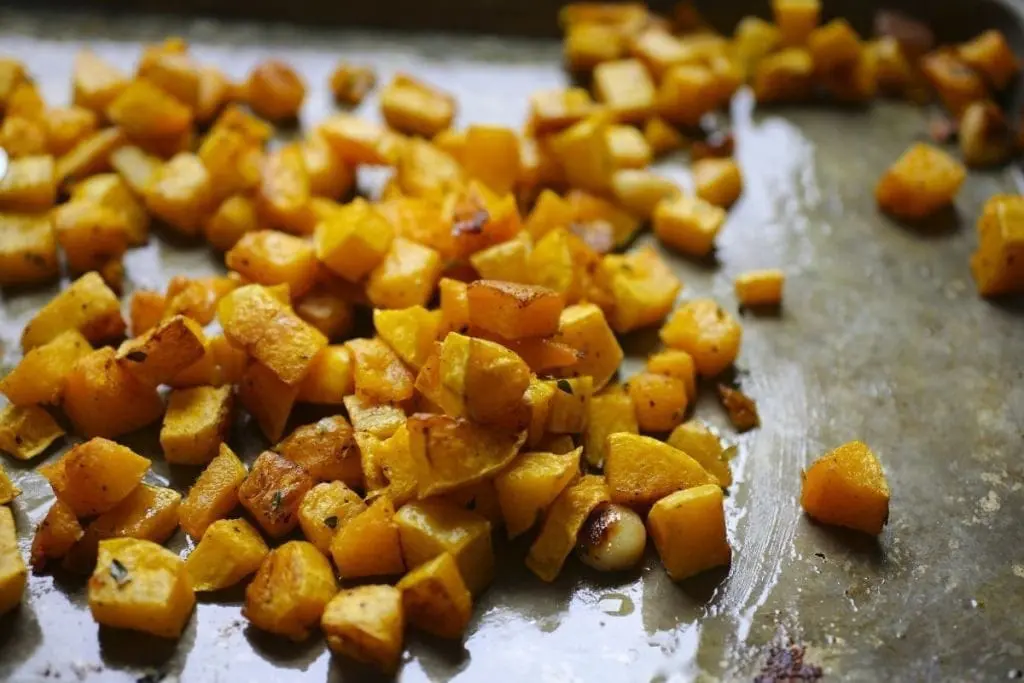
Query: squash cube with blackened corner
pixel 998 264
pixel 585 153
pixel 41 374
pixel 327 507
pixel 282 200
pixel 406 277
pixel 156 356
pixel 660 401
pixel 610 412
pixel 87 305
pixel 28 249
pixel 30 184
pixel 491 155
pixel 707 332
pixel 290 590
pixel 326 449
pixel 95 476
pixel 354 241
pixel 957 84
pixel 95 82
pixel 643 288
pixel 181 194
pixel 214 495
pixel 688 224
pixel 921 182
pixel 410 332
pixel 330 378
pixel 786 76
pixel 512 310
pixel 273 492
pixel 584 328
pixel 110 191
pixel 429 528
pixel 641 470
pixel 230 550
pixel 570 403
pixel 268 257
pixel 27 431
pixel 990 55
pixel 435 598
pixel 846 487
pixel 369 544
pixel 688 528
pixel 102 398
pixel 796 19
pixel 268 399
pixel 380 374
pixel 760 287
pixel 562 524
pixel 528 487
pixel 366 623
pixel 145 112
pixel 718 181
pixel 56 535
pixel 415 108
pixel 13 572
pixel 388 468
pixel 196 424
pixel 379 419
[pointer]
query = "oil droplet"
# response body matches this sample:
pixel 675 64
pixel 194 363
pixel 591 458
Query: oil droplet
pixel 616 604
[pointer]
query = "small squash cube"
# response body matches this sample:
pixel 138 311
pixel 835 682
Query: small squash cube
pixel 492 156
pixel 998 264
pixel 214 495
pixel 157 356
pixel 275 91
pixel 660 51
pixel 378 419
pixel 661 137
pixel 429 528
pixel 786 76
pixel 718 181
pixel 703 445
pixel 233 219
pixel 27 431
pixel 90 234
pixel 513 311
pixel 110 191
pixel 554 110
pixel 587 45
pixel 330 377
pixel 233 159
pixel 95 476
pixel 22 137
pixel 796 19
pixel 660 401
pixel 990 55
pixel 367 624
pixel 28 249
pixel 570 403
pixel 688 528
pixel 688 92
pixel 584 328
pixel 282 199
pixel 13 572
pixel 609 413
pixel 134 166
pixel 87 305
pixel 846 487
pixel 141 586
pixel 181 194
pixel 707 332
pixel 760 287
pixel 894 74
pixel 351 83
pixel 410 332
pixel 92 154
pixel 528 487
pixel 505 261
pixel 922 181
pixel 230 550
pixel 196 424
pixel 754 39
pixel 626 87
pixel 174 72
pixel 985 138
pixel 379 373
pixel 454 306
pixel 30 184
pixel 327 308
pixel 42 372
pixel 354 241
pixel 326 449
pixel 641 470
pixel 688 224
pixel 325 509
pixel 629 148
pixel 834 47
pixel 26 102
pixel 435 598
pixel 95 82
pixel 415 108
pixel 146 113
pixel 406 277
pixel 102 398
pixel 359 141
pixel 585 153
pixel 290 590
pixel 288 347
pixel 269 257
pixel 562 524
pixel 329 176
pixel 642 287
pixel 273 492
pixel 639 192
pixel 56 535
pixel 956 83
pixel 369 544
pixel 387 466
pixel 677 364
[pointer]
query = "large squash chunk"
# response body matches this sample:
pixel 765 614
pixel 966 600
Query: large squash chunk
pixel 102 398
pixel 230 550
pixel 282 199
pixel 584 328
pixel 141 586
pixel 326 449
pixel 379 373
pixel 181 194
pixel 642 288
pixel 609 413
pixel 55 535
pixel 921 182
pixel 196 424
pixel 514 311
pixel 214 495
pixel 453 452
pixel 366 623
pixel 369 544
pixel 160 354
pixel 528 487
pixel 564 520
pixel 688 528
pixel 707 332
pixel 431 527
pixel 88 306
pixel 27 431
pixel 406 277
pixel 354 240
pixel 435 598
pixel 273 492
pixel 325 509
pixel 95 476
pixel 641 470
pixel 13 572
pixel 700 443
pixel 847 487
pixel 290 591
pixel 95 82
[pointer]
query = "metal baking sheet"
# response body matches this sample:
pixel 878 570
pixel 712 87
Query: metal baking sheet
pixel 881 338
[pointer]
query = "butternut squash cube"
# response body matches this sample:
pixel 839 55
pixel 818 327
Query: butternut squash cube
pixel 718 181
pixel 181 193
pixel 429 528
pixel 513 311
pixel 410 332
pixel 146 113
pixel 196 424
pixel 379 419
pixel 351 83
pixel 922 181
pixel 30 184
pixel 326 449
pixel 230 550
pixel 273 492
pixel 956 83
pixel 506 261
pixel 40 375
pixel 102 398
pixel 796 19
pixel 997 264
pixel 379 373
pixel 233 160
pixel 554 110
pixel 367 624
pixel 754 39
pixel 27 431
pixel 585 153
pixel 639 192
pixel 329 176
pixel 626 87
pixel 786 76
pixel 492 156
pixel 326 508
pixel 406 277
pixel 13 572
pixel 629 148
pixel 846 487
pixel 25 101
pixel 290 590
pixel 110 191
pixel 95 476
pixel 687 92
pixel 93 154
pixel 415 108
pixel 330 377
pixel 659 50
pixel 584 328
pixel 688 528
pixel 587 45
pixel 157 356
pixel 269 257
pixel 707 332
pixel 894 73
pixel 175 73
pixel 642 287
pixel 369 544
pixel 233 219
pixel 8 491
pixel 703 445
pixel 55 535
pixel 435 598
pixel 275 91
pixel 95 82
pixel 214 495
pixel 454 307
pixel 23 137
pixel 87 305
pixel 562 524
pixel 28 249
pixel 640 470
pixel 388 468
pixel 359 141
pixel 990 55
pixel 985 135
pixel 528 487
pixel 570 404
pixel 90 234
pixel 610 412
pixel 354 241
pixel 688 224
pixel 284 192
pixel 760 287
pixel 834 46
pixel 328 309
pixel 660 401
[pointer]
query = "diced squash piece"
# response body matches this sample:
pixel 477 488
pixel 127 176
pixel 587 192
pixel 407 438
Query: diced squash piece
pixel 688 224
pixel 134 166
pixel 659 51
pixel 642 287
pixel 288 347
pixel 95 82
pixel 626 87
pixel 985 138
pixel 157 356
pixel 754 39
pixel 329 176
pixel 290 591
pixel 354 241
pixel 146 113
pixel 707 332
pixel 214 495
pixel 95 476
pixel 506 261
pixel 198 299
pixel 990 55
pixel 922 181
pixel 275 91
pixel 8 491
pixel 92 154
pixel 660 401
pixel 544 356
pixel 549 212
pixel 110 191
pixel 528 487
pixel 677 364
pixel 269 257
pixel 174 72
pixel 196 424
pixel 379 419
pixel 42 372
pixel 233 219
pixel 102 398
pixel 25 101
pixel 641 470
pixel 687 92
pixel 213 94
pixel 491 155
pixel 369 544
pixel 366 623
pixel 570 404
pixel 760 287
pixel 834 47
pixel 718 181
pixel 661 137
pixel 27 431
pixel 609 413
pixel 359 141
pixel 556 264
pixel 846 487
pixel 230 550
pixel 30 184
pixel 90 234
pixel 587 45
pixel 28 249
pixel 410 332
pixel 282 199
pixel 419 220
pixel 328 309
pixel 234 159
pixel 327 507
pixel 513 311
pixel 388 468
pixel 454 306
pixel 639 192
pixel 554 110
pixel 703 445
pixel 894 74
pixel 688 528
pixel 406 277
pixel 351 83
pixel 957 84
pixel 273 492
pixel 796 19
pixel 584 328
pixel 87 305
pixel 585 153
pixel 998 264
pixel 481 498
pixel 55 535
pixel 141 586
pixel 415 108
pixel 23 137
pixel 181 194
pixel 230 360
pixel 330 377
pixel 435 598
pixel 786 76
pixel 427 172
pixel 564 520
pixel 379 373
pixel 326 449
pixel 429 528
pixel 13 572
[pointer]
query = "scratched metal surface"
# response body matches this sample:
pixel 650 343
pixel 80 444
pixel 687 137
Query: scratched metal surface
pixel 881 338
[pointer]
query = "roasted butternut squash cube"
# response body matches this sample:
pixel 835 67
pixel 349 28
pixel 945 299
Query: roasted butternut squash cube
pixel 157 356
pixel 435 598
pixel 12 74
pixel 481 498
pixel 426 171
pixel 760 287
pixel 990 55
pixel 273 492
pixel 8 491
pixel 269 257
pixel 718 181
pixel 587 45
pixel 410 332
pixel 369 544
pixel 415 108
pixel 661 137
pixel 330 377
pixel 175 73
pixel 610 412
pixel 659 50
pixel 491 155
pixel 585 153
pixel 27 431
pixel 629 148
pixel 388 468
pixel 110 191
pixel 562 524
pixel 626 87
pixel 660 401
pixel 556 263
pixel 834 46
pixel 513 311
pixel 707 332
pixel 506 261
pixel 753 40
pixel 486 379
pixel 921 182
pixel 325 509
pixel 367 624
pixel 90 234
pixel 584 328
pixel 329 309
pixel 453 452
pixel 288 347
pixel 95 476
pixel 985 138
pixel 429 528
pixel 698 441
pixel 528 487
pixel 406 277
pixel 141 586
pixel 639 191
pixel 233 159
pixel 275 91
pixel 379 373
pixel 25 101
pixel 688 224
pixel 92 154
pixel 677 364
pixel 230 550
pixel 846 487
pixel 454 306
pixel 134 165
pixel 95 82
pixel 102 398
pixel 379 419
pixel 214 495
pixel 326 449
pixel 87 305
pixel 554 110
pixel 643 289
pixel 550 211
pixel 570 403
pixel 198 299
pixel 55 535
pixel 351 83
pixel 544 356
pixel 688 528
pixel 146 113
pixel 233 219
pixel 997 264
pixel 23 137
pixel 40 375
pixel 354 241
pixel 329 176
pixel 956 83
pixel 196 424
pixel 641 470
pixel 290 590
pixel 687 92
pixel 359 141
pixel 13 572
pixel 181 193
pixel 786 76
pixel 30 184
pixel 796 19
pixel 283 195
pixel 28 249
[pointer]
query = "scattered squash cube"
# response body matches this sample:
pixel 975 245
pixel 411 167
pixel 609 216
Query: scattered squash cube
pixel 275 91
pixel 329 176
pixel 626 87
pixel 326 449
pixel 327 507
pixel 23 137
pixel 985 138
pixel 56 535
pixel 642 287
pixel 13 572
pixel 214 495
pixel 922 181
pixel 355 241
pixel 569 407
pixel 90 234
pixel 330 377
pixel 846 487
pixel 998 264
pixel 641 470
pixel 181 194
pixel 28 249
pixel 95 82
pixel 157 356
pixel 233 219
pixel 410 332
pixel 230 550
pixel 584 328
pixel 27 431
pixel 269 257
pixel 640 191
pixel 233 159
pixel 705 331
pixel 431 527
pixel 196 424
pixel 834 46
pixel 379 372
pixel 554 110
pixel 30 184
pixel 273 492
pixel 147 310
pixel 388 468
pixel 585 153
pixel 703 445
pixel 786 76
pixel 528 487
pixel 329 309
pixel 95 476
pixel 367 624
pixel 284 192
pixel 87 305
pixel 369 544
pixel 587 45
pixel 359 141
pixel 718 181
pixel 687 92
pixel 507 261
pixel 610 412
pixel 688 224
pixel 660 401
pixel 688 528
pixel 93 154
pixel 110 191
pixel 628 147
pixel 65 127
pixel 290 591
pixel 415 108
pixel 135 166
pixel 760 287
pixel 513 311
pixel 40 376
pixel 102 398
pixel 379 419
pixel 754 39
pixel 956 83
pixel 146 113
pixel 213 94
pixel 351 83
pixel 406 277
pixel 661 137
pixel 677 364
pixel 563 522
pixel 492 156
pixel 435 598
pixel 990 55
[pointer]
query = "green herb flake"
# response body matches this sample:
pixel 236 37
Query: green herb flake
pixel 565 386
pixel 275 502
pixel 119 572
pixel 331 521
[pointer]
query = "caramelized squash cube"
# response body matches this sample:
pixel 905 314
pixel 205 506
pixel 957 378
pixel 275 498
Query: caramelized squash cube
pixel 196 424
pixel 269 257
pixel 214 495
pixel 562 524
pixel 146 113
pixel 786 76
pixel 587 45
pixel 326 449
pixel 796 19
pixel 134 165
pixel 922 181
pixel 429 528
pixel 55 535
pixel 641 470
pixel 415 108
pixel 688 528
pixel 30 184
pixel 492 156
pixel 513 311
pixel 230 550
pixel 626 87
pixel 388 468
pixel 95 82
pixel 379 373
pixel 688 224
pixel 406 277
pixel 275 91
pixel 705 331
pixel 703 445
pixel 27 431
pixel 688 92
pixel 327 507
pixel 95 476
pixel 290 591
pixel 369 544
pixel 990 55
pixel 846 487
pixel 268 399
pixel 13 572
pixel 640 192
pixel 554 110
pixel 410 332
pixel 660 401
pixel 718 181
pixel 610 412
pixel 283 196
pixel 643 288
pixel 233 219
pixel 157 356
pixel 87 305
pixel 330 377
pixel 528 487
pixel 351 83
pixel 956 83
pixel 359 141
pixel 23 137
pixel 110 191
pixel 996 265
pixel 273 492
pixel 90 234
pixel 760 287
pixel 102 398
pixel 41 374
pixel 378 419
pixel 584 328
pixel 435 598
pixel 181 193
pixel 355 241
pixel 366 623
pixel 585 154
